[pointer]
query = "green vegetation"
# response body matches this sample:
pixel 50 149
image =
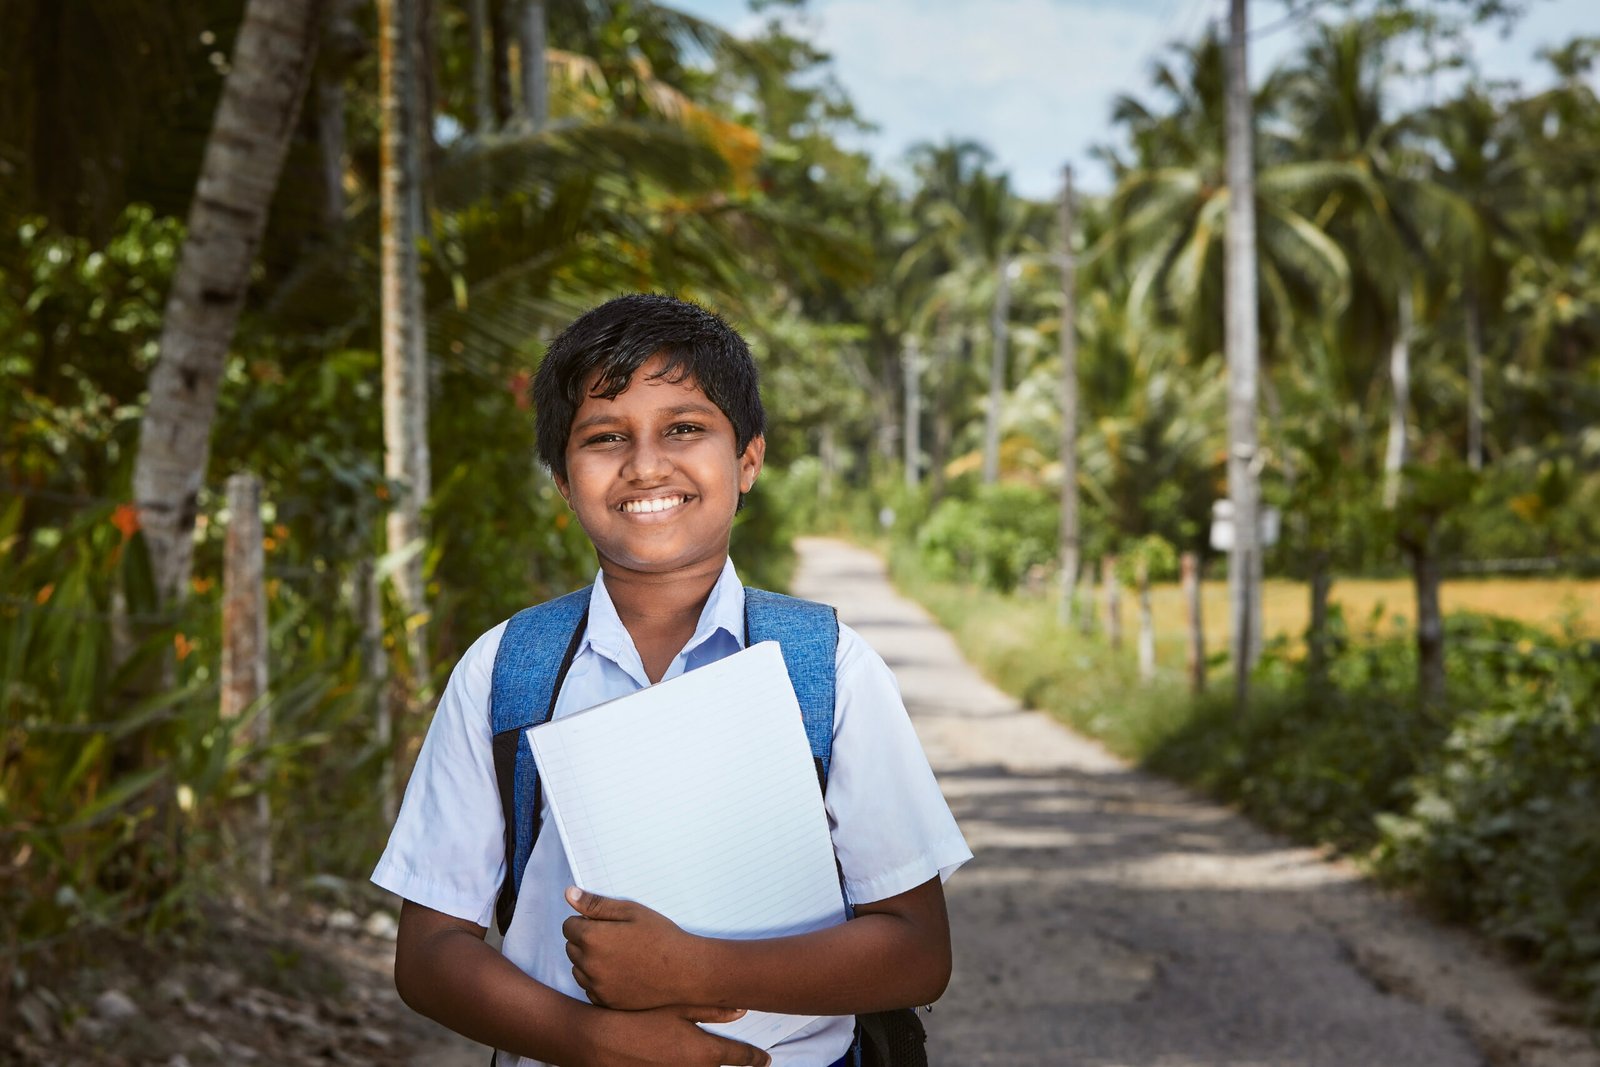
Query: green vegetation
pixel 1460 239
pixel 1485 807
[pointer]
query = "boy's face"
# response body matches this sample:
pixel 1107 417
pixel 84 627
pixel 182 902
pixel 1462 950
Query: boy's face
pixel 654 475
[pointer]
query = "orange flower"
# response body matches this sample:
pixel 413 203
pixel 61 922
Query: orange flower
pixel 126 519
pixel 517 385
pixel 44 594
pixel 182 645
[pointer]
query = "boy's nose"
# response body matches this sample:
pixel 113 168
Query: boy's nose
pixel 647 462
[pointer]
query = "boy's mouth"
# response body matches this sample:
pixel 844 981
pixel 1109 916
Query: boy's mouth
pixel 659 503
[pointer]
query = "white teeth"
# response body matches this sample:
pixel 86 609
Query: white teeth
pixel 663 503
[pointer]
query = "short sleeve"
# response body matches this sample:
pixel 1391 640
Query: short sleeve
pixel 447 849
pixel 892 829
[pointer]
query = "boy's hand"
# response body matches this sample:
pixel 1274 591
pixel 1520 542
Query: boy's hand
pixel 668 1036
pixel 625 955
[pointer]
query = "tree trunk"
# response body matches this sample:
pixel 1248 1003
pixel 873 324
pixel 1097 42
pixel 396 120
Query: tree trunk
pixel 482 74
pixel 1069 547
pixel 999 325
pixel 1317 631
pixel 256 116
pixel 1113 590
pixel 1474 382
pixel 949 341
pixel 1147 626
pixel 366 597
pixel 405 453
pixel 828 458
pixel 1086 617
pixel 911 363
pixel 1244 590
pixel 1197 635
pixel 1430 623
pixel 531 30
pixel 502 35
pixel 341 47
pixel 1394 457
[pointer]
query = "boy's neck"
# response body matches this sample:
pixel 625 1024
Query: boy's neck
pixel 660 611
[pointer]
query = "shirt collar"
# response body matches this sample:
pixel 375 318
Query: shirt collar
pixel 723 613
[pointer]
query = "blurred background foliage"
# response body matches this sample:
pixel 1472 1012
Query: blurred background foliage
pixel 680 158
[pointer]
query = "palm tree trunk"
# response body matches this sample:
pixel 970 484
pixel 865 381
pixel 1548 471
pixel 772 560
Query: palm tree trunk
pixel 256 116
pixel 501 36
pixel 1394 457
pixel 1243 353
pixel 1069 547
pixel 998 325
pixel 482 101
pixel 1474 382
pixel 1113 591
pixel 535 80
pixel 911 364
pixel 341 47
pixel 405 454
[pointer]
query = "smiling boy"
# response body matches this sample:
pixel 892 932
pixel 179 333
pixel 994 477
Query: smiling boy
pixel 650 419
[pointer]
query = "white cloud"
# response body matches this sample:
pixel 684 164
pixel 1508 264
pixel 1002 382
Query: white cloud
pixel 1033 79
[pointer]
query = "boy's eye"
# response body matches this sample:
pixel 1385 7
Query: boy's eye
pixel 603 439
pixel 684 427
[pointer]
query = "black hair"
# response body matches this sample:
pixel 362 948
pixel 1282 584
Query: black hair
pixel 604 347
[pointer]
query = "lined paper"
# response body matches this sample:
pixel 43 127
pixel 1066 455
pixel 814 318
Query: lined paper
pixel 698 797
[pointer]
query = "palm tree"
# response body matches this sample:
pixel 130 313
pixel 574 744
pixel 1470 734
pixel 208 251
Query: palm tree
pixel 405 362
pixel 271 68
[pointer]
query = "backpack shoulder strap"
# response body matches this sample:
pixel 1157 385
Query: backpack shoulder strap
pixel 809 635
pixel 536 650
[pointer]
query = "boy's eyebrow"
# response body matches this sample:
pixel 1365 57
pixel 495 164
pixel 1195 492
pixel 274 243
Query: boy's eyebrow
pixel 671 413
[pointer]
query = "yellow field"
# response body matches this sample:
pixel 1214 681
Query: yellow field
pixel 1550 602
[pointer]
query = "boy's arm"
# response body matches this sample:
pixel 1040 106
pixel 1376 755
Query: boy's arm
pixel 444 970
pixel 895 953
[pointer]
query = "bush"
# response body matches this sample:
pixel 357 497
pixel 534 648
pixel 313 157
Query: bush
pixel 1502 832
pixel 992 538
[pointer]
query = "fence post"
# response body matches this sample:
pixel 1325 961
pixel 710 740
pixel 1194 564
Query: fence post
pixel 244 641
pixel 1147 627
pixel 1197 637
pixel 1086 617
pixel 1113 588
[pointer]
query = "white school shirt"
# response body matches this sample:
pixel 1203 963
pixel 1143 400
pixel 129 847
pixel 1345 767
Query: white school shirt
pixel 891 828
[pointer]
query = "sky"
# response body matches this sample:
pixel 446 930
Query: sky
pixel 1034 79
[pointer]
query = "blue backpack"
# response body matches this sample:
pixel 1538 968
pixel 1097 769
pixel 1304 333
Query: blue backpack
pixel 537 650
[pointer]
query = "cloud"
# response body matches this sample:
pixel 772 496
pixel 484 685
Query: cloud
pixel 1033 79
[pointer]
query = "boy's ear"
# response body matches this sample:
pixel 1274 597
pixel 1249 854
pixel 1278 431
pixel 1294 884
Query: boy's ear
pixel 750 462
pixel 562 487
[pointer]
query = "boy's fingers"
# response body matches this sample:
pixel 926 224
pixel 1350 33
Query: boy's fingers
pixel 738 1054
pixel 595 906
pixel 705 1014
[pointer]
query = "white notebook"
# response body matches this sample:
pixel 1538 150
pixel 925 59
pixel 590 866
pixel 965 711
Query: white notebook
pixel 698 797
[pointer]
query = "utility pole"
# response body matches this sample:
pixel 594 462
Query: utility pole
pixel 1244 557
pixel 911 363
pixel 1069 547
pixel 998 320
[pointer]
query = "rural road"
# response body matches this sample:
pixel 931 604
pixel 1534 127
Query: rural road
pixel 1112 919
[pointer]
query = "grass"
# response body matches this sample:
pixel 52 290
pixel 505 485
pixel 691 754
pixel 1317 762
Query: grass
pixel 1554 604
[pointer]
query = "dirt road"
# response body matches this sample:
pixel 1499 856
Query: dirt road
pixel 1111 919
